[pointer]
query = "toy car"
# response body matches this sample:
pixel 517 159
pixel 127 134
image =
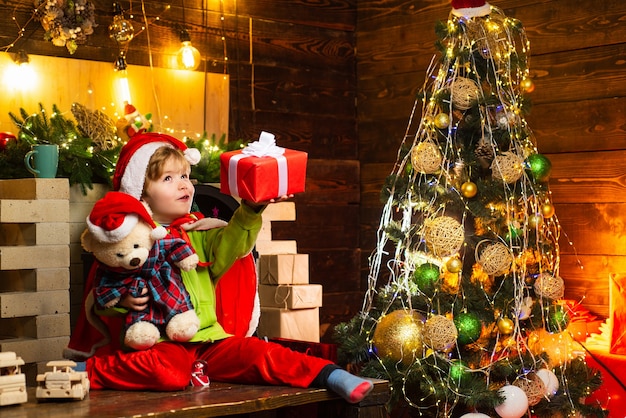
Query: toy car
pixel 62 382
pixel 12 380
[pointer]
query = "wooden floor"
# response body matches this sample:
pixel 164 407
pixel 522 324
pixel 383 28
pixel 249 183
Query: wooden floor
pixel 216 401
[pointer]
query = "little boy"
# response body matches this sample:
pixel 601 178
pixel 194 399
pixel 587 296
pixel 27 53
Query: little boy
pixel 155 168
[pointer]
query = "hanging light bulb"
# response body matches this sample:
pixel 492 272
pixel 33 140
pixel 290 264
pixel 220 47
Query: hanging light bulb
pixel 188 57
pixel 21 76
pixel 121 83
pixel 121 30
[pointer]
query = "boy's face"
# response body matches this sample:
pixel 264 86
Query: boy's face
pixel 171 195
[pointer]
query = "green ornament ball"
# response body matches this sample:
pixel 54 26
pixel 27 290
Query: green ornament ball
pixel 540 167
pixel 426 276
pixel 468 326
pixel 458 371
pixel 557 319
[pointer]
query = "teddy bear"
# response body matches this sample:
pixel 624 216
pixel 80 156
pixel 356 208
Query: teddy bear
pixel 132 253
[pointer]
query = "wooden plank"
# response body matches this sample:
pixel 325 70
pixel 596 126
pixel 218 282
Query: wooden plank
pixel 593 228
pixel 592 73
pixel 592 125
pixel 322 136
pixel 588 177
pixel 220 399
pixel 271 88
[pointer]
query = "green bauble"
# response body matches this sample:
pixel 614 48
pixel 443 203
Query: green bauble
pixel 540 167
pixel 557 319
pixel 469 327
pixel 426 277
pixel 458 371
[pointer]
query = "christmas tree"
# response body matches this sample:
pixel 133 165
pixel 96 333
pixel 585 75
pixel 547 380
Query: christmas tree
pixel 464 312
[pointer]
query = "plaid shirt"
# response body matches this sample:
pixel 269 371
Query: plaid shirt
pixel 168 295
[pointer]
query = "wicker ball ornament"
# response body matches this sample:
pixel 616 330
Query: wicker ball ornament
pixel 533 387
pixel 507 167
pixel 440 333
pixel 444 235
pixel 495 259
pixel 399 335
pixel 426 158
pixel 549 286
pixel 463 93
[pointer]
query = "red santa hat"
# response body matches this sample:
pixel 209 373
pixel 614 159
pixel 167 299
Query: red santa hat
pixel 470 8
pixel 130 171
pixel 115 215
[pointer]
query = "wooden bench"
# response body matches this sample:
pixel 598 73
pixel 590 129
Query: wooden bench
pixel 218 400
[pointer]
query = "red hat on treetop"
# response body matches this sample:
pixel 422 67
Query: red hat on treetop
pixel 115 215
pixel 470 8
pixel 130 170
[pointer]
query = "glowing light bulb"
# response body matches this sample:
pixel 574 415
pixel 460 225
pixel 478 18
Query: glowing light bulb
pixel 122 87
pixel 188 57
pixel 21 76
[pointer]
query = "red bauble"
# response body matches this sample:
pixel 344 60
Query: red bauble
pixel 5 137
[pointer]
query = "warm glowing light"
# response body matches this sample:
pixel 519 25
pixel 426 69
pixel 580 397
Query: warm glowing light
pixel 20 76
pixel 188 56
pixel 122 87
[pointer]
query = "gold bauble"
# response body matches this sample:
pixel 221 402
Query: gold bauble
pixel 547 210
pixel 399 336
pixel 442 120
pixel 505 326
pixel 469 189
pixel 535 221
pixel 527 85
pixel 454 265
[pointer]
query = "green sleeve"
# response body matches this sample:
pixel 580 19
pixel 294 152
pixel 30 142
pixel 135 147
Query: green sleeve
pixel 222 246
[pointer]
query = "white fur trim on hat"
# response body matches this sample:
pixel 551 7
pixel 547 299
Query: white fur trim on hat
pixel 483 10
pixel 158 232
pixel 192 155
pixel 134 177
pixel 117 234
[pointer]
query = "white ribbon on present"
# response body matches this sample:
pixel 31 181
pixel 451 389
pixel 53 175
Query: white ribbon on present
pixel 264 147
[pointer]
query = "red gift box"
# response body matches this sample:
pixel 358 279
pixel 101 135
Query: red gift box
pixel 260 178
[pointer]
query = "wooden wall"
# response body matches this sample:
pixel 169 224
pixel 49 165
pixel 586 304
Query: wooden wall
pixel 338 78
pixel 578 64
pixel 292 72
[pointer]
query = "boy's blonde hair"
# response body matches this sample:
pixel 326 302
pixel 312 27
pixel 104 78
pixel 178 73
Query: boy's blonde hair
pixel 157 162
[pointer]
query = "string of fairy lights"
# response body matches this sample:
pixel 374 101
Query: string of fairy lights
pixel 125 26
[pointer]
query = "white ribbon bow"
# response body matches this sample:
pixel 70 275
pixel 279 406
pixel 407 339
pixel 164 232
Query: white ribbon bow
pixel 264 147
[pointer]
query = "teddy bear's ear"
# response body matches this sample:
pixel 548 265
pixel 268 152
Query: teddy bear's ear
pixel 86 240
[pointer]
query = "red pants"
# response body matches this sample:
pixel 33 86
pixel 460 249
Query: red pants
pixel 167 365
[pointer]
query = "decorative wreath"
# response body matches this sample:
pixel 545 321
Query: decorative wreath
pixel 66 22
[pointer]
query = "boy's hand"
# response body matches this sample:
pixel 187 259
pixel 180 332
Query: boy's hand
pixel 204 224
pixel 258 206
pixel 135 303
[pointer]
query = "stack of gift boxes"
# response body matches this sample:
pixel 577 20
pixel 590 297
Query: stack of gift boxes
pixel 260 172
pixel 289 303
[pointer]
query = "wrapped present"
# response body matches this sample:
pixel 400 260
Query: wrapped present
pixel 279 269
pixel 294 324
pixel 262 171
pixel 299 296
